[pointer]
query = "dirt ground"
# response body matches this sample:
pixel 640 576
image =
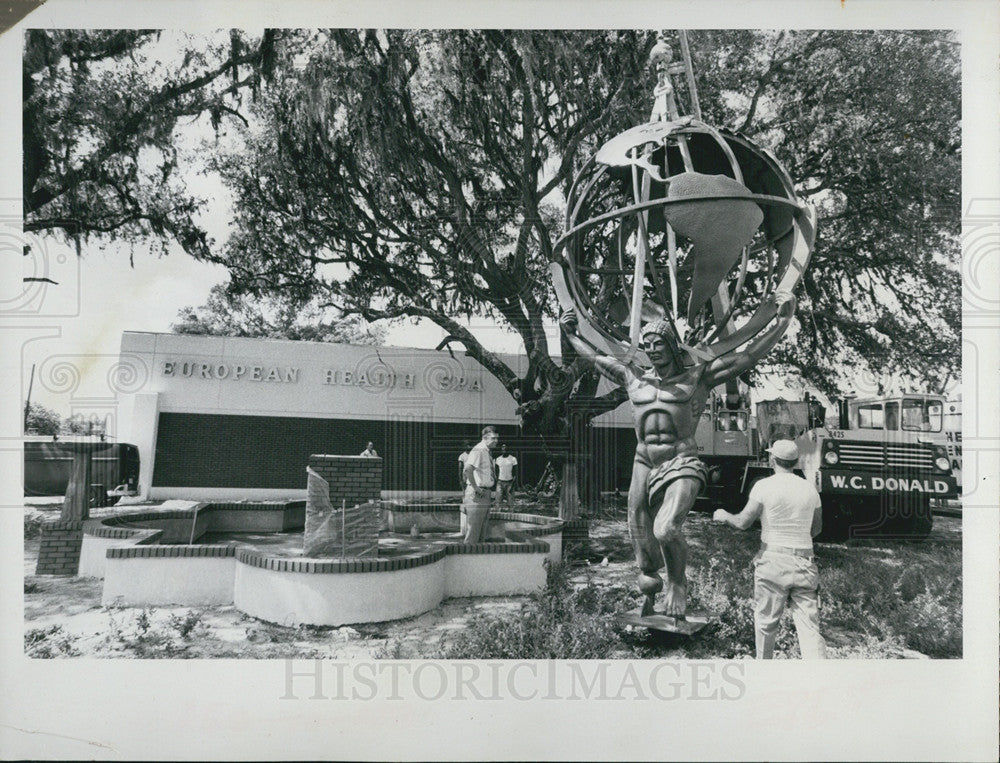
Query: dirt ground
pixel 64 616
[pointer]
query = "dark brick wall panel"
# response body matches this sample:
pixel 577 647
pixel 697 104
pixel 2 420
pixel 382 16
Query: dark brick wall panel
pixel 270 452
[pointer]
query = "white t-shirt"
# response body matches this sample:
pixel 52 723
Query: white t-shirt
pixel 505 465
pixel 463 458
pixel 789 503
pixel 480 459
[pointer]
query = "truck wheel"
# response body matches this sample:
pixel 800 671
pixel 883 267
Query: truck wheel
pixel 915 520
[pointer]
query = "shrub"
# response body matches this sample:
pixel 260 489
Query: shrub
pixel 558 622
pixel 930 626
pixel 33 526
pixel 138 636
pixel 187 624
pixel 50 642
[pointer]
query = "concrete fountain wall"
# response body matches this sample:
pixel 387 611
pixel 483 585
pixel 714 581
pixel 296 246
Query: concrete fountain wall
pixel 131 552
pixel 127 551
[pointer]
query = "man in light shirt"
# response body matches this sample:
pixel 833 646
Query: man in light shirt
pixel 462 458
pixel 479 480
pixel 466 447
pixel 784 570
pixel 505 477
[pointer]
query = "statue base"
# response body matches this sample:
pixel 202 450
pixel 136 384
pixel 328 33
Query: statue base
pixel 687 625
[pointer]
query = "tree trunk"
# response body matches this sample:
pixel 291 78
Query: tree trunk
pixel 569 496
pixel 76 504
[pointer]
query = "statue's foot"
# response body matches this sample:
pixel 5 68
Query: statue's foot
pixel 650 584
pixel 675 600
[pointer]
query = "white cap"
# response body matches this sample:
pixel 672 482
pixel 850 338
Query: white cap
pixel 786 450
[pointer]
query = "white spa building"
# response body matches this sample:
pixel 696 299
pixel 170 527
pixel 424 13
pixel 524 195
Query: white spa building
pixel 220 418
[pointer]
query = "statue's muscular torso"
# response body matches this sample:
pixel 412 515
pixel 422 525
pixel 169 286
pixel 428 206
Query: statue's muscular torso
pixel 666 413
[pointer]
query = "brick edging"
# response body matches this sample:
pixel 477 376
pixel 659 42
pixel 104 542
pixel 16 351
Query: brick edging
pixel 160 552
pixel 117 527
pixel 254 558
pixel 59 524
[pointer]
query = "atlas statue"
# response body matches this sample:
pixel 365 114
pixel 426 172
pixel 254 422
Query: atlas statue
pixel 668 212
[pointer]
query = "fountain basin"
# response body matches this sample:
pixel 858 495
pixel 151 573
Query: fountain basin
pixel 143 565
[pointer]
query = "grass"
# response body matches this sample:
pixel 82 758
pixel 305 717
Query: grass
pixel 558 622
pixel 879 598
pixel 916 600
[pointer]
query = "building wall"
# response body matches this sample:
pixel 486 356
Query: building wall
pixel 270 452
pixel 218 417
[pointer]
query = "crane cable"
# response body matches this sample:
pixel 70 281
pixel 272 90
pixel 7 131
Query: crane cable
pixel 689 73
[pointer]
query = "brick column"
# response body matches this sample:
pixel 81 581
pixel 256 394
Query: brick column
pixel 340 521
pixel 59 550
pixel 355 479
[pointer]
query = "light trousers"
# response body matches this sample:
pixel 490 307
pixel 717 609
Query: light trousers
pixel 476 507
pixel 780 580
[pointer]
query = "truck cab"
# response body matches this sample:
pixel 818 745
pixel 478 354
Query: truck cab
pixel 877 470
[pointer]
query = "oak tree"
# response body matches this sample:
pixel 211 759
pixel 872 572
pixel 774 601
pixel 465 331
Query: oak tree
pixel 413 173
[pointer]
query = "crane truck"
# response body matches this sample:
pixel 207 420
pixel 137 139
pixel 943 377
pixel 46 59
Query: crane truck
pixel 877 469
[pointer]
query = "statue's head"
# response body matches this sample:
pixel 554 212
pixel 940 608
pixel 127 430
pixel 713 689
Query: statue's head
pixel 660 344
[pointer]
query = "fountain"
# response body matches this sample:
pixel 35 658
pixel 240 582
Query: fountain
pixel 252 555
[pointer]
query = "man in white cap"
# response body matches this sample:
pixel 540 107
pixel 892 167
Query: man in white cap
pixel 784 570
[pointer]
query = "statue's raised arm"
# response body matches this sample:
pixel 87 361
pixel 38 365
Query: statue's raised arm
pixel 675 234
pixel 730 366
pixel 610 367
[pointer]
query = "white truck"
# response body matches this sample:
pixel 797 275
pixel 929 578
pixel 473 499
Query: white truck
pixel 876 471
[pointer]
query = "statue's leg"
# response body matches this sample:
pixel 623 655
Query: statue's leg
pixel 648 555
pixel 678 499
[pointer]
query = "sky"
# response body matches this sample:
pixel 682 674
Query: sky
pixel 100 295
